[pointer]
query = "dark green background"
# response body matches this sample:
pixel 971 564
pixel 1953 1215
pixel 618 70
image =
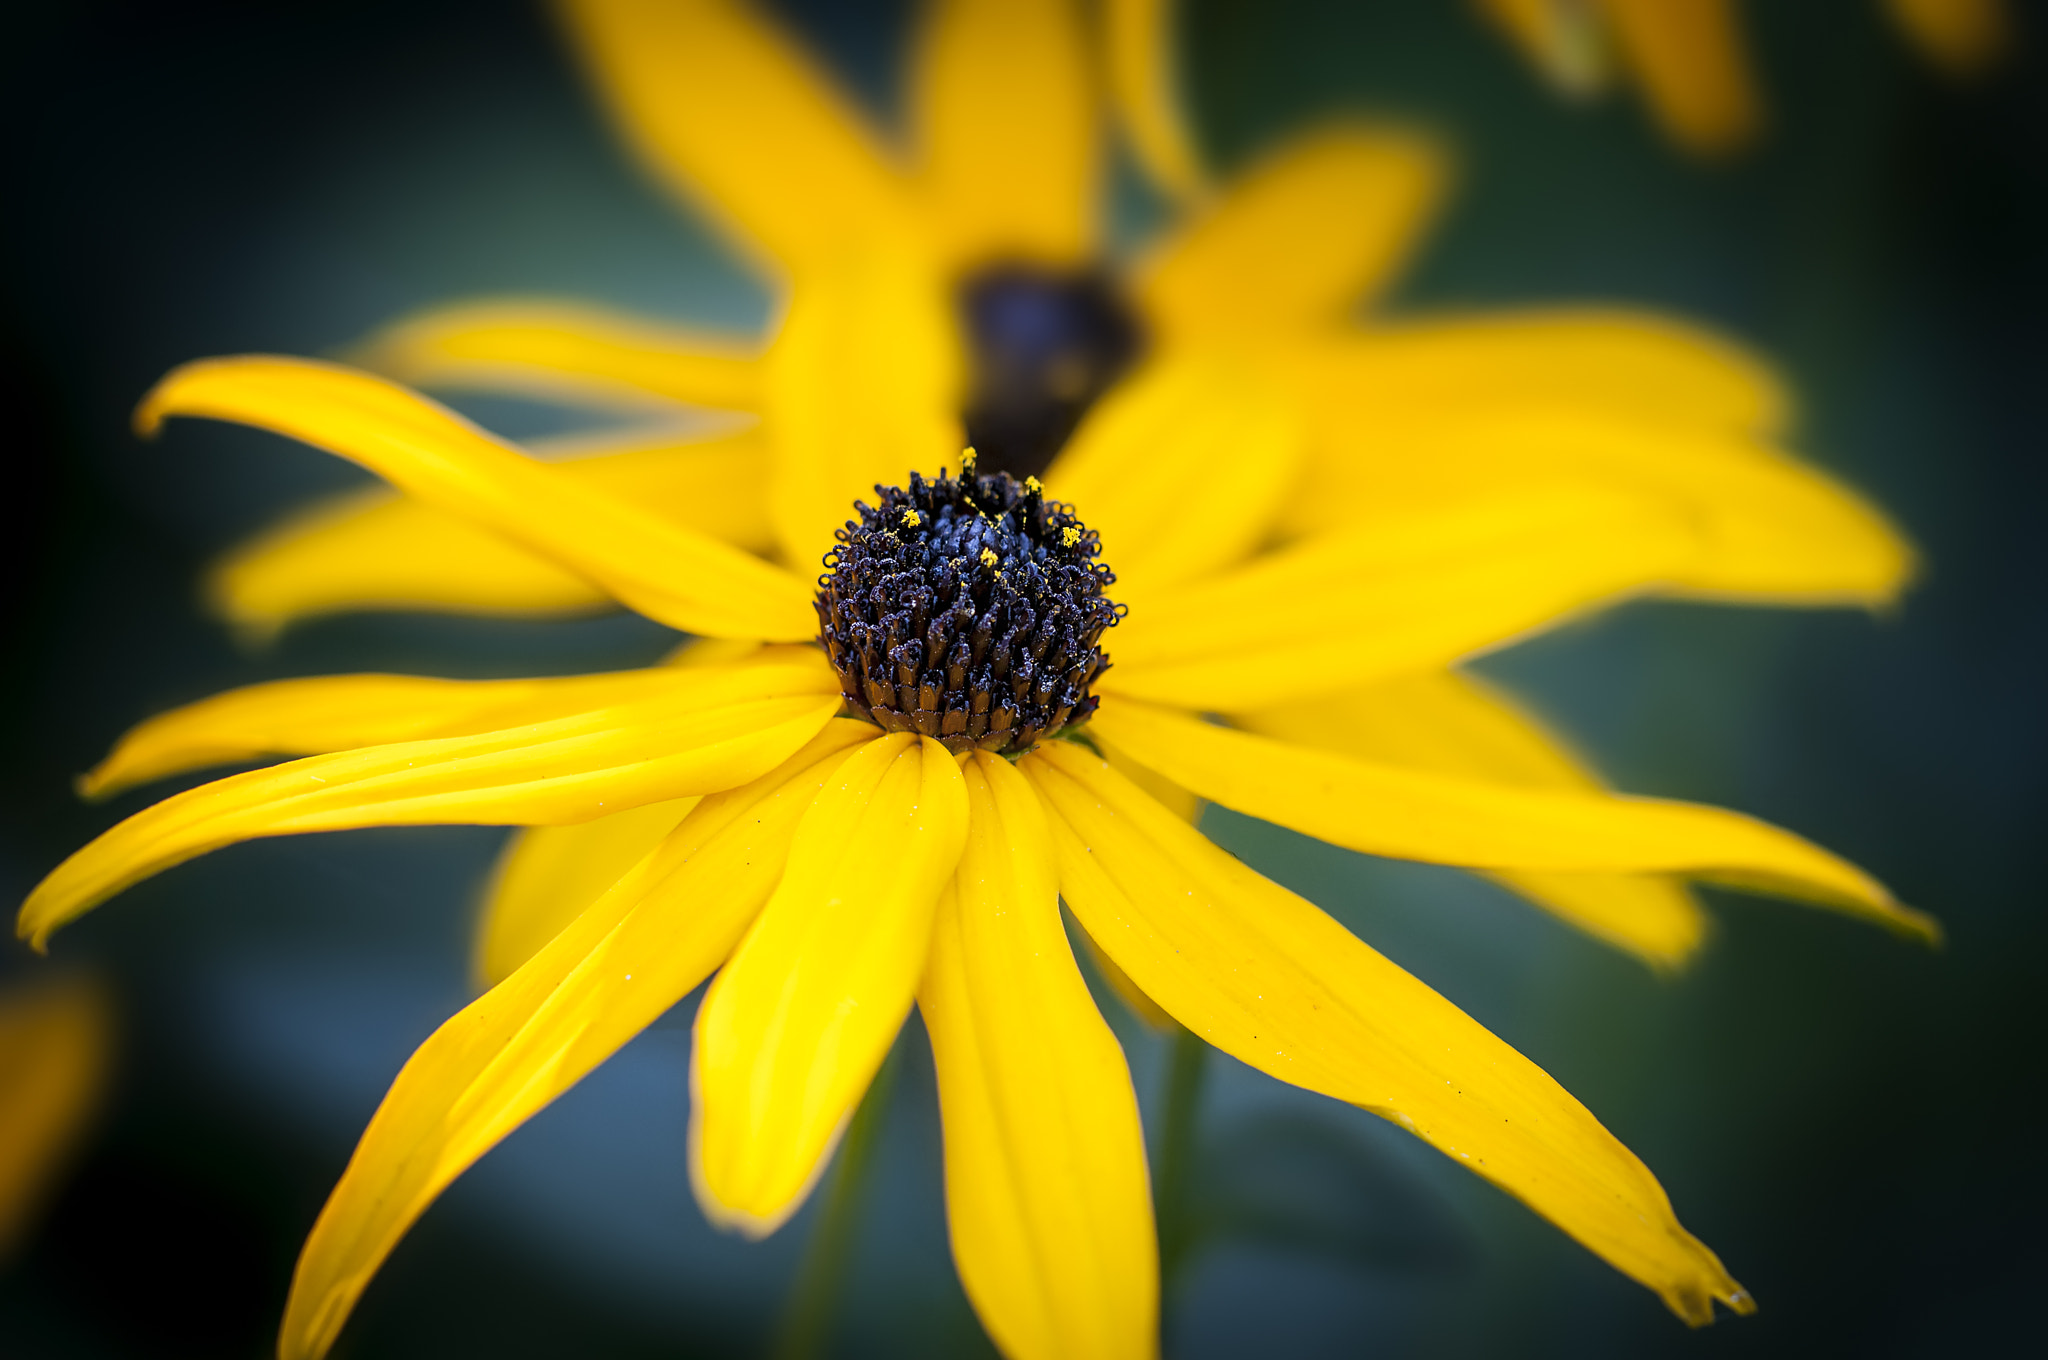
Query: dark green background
pixel 1851 1122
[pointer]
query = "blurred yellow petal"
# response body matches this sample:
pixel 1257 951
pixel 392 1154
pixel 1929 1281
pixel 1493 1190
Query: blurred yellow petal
pixel 1275 983
pixel 1962 37
pixel 1046 1189
pixel 378 550
pixel 730 114
pixel 1219 431
pixel 617 967
pixel 1446 819
pixel 1006 121
pixel 708 730
pixel 1687 55
pixel 863 386
pixel 55 1037
pixel 1399 594
pixel 547 875
pixel 1141 53
pixel 1296 241
pixel 550 349
pixel 672 574
pixel 1456 725
pixel 1562 38
pixel 796 1024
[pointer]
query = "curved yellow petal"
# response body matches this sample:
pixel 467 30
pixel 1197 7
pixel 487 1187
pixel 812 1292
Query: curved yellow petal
pixel 55 1038
pixel 1046 1191
pixel 379 550
pixel 547 875
pixel 1219 432
pixel 1402 593
pixel 1772 529
pixel 1446 819
pixel 1454 724
pixel 672 574
pixel 1963 37
pixel 1004 109
pixel 548 348
pixel 1309 231
pixel 796 1024
pixel 1275 983
pixel 1563 40
pixel 1687 56
pixel 708 730
pixel 614 970
pixel 1140 52
pixel 863 385
pixel 730 114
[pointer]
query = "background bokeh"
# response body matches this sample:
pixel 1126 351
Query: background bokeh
pixel 1850 1121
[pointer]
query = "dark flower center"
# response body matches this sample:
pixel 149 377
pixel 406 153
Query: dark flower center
pixel 969 609
pixel 1045 346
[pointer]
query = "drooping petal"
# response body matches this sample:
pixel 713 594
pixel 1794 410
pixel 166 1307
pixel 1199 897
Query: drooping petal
pixel 55 1038
pixel 1687 56
pixel 570 350
pixel 1006 121
pixel 708 730
pixel 672 574
pixel 1963 37
pixel 1446 819
pixel 378 550
pixel 1141 54
pixel 1398 594
pixel 1294 242
pixel 1271 980
pixel 1046 1190
pixel 1183 469
pixel 1456 725
pixel 547 875
pixel 796 1024
pixel 1773 530
pixel 1564 41
pixel 731 115
pixel 615 969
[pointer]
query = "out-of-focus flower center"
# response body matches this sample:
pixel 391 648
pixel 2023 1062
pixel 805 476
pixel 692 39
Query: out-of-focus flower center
pixel 969 609
pixel 1044 345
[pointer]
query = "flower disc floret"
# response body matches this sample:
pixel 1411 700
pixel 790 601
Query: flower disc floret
pixel 969 609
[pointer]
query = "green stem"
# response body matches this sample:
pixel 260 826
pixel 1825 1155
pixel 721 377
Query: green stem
pixel 1173 1168
pixel 807 1318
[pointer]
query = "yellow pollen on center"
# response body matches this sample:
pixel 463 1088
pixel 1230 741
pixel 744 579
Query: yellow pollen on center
pixel 1069 536
pixel 988 557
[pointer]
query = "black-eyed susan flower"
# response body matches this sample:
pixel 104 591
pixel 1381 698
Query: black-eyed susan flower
pixel 55 1039
pixel 962 281
pixel 892 816
pixel 1688 58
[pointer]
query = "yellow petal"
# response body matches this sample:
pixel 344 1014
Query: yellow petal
pixel 672 574
pixel 796 1024
pixel 708 730
pixel 1564 41
pixel 1773 530
pixel 863 387
pixel 1687 56
pixel 569 350
pixel 1275 983
pixel 377 550
pixel 547 875
pixel 1445 819
pixel 1006 121
pixel 1219 432
pixel 1046 1190
pixel 637 951
pixel 727 111
pixel 1401 593
pixel 1141 53
pixel 1456 725
pixel 1962 37
pixel 1297 240
pixel 54 1042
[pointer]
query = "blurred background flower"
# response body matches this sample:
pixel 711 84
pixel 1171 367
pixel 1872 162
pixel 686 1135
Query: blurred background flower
pixel 217 180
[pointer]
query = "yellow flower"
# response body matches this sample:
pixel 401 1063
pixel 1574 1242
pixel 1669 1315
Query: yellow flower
pixel 913 283
pixel 833 870
pixel 1687 55
pixel 54 1042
